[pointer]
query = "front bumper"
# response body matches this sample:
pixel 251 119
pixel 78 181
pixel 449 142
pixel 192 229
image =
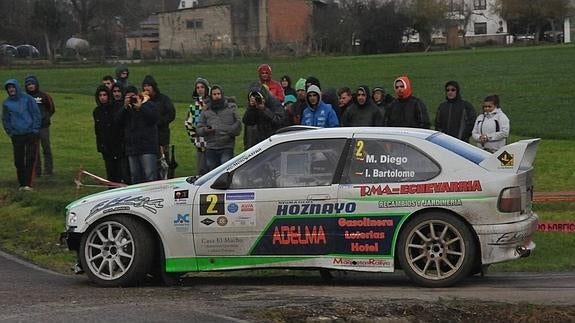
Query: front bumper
pixel 503 242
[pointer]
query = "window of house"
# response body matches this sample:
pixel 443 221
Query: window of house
pixel 479 4
pixel 480 28
pixel 384 161
pixel 195 24
pixel 301 163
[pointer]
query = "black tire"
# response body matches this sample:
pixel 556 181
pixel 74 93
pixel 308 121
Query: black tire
pixel 117 251
pixel 436 249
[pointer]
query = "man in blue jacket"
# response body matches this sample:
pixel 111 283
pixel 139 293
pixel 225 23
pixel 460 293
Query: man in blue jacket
pixel 317 113
pixel 21 120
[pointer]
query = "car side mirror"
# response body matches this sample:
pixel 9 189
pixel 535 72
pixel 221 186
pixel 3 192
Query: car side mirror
pixel 222 182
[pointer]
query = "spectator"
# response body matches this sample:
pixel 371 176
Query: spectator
pixel 47 109
pixel 345 100
pixel 301 101
pixel 122 75
pixel 139 119
pixel 380 98
pixel 273 87
pixel 264 112
pixel 293 118
pixel 492 126
pixel 312 80
pixel 21 119
pixel 220 124
pixel 110 137
pixel 108 81
pixel 201 99
pixel 363 112
pixel 118 95
pixel 317 113
pixel 406 110
pixel 330 97
pixel 286 83
pixel 455 116
pixel 167 115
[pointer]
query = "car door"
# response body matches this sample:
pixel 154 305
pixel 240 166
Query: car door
pixel 276 204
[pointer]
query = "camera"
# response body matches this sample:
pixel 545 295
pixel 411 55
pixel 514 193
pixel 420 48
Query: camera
pixel 133 99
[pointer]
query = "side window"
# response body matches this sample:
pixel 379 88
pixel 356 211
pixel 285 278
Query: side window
pixel 300 163
pixel 384 161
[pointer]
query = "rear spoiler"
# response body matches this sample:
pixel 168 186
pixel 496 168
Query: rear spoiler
pixel 513 157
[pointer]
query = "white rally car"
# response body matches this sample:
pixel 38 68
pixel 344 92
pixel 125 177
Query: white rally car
pixel 362 199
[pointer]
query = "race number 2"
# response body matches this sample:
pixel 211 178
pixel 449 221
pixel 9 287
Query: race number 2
pixel 212 204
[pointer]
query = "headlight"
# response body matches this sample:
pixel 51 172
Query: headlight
pixel 72 218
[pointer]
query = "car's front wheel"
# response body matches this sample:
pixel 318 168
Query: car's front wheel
pixel 117 251
pixel 436 249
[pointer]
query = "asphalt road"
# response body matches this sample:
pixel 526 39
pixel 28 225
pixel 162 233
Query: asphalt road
pixel 32 294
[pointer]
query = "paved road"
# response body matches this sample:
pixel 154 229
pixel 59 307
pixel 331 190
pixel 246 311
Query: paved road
pixel 31 294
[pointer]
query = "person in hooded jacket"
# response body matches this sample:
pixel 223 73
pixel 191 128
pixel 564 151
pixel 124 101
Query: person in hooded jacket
pixel 492 127
pixel 139 119
pixel 363 112
pixel 47 109
pixel 381 98
pixel 286 83
pixel 455 116
pixel 110 137
pixel 201 100
pixel 406 110
pixel 220 124
pixel 122 75
pixel 167 115
pixel 265 113
pixel 273 87
pixel 317 113
pixel 21 119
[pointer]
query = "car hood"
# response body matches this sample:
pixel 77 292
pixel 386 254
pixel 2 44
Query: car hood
pixel 148 188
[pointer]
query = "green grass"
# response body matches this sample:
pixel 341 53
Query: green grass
pixel 535 84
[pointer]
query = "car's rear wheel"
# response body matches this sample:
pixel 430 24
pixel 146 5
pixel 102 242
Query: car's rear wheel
pixel 117 251
pixel 436 249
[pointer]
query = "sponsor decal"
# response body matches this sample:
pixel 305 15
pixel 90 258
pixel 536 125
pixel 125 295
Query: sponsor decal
pixel 182 194
pixel 556 226
pixel 212 204
pixel 182 222
pixel 240 196
pixel 222 221
pixel 233 208
pixel 221 245
pixel 247 207
pixel 116 209
pixel 429 188
pixel 151 205
pixel 424 203
pixel 243 159
pixel 362 262
pixel 315 208
pixel 506 159
pixel 207 221
pixel 368 235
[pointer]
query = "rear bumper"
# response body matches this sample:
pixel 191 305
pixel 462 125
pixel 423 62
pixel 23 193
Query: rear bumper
pixel 502 242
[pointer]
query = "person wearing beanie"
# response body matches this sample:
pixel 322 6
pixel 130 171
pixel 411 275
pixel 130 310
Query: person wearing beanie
pixel 455 116
pixel 139 119
pixel 201 100
pixel 406 110
pixel 219 124
pixel 273 87
pixel 167 115
pixel 312 80
pixel 363 112
pixel 380 97
pixel 317 113
pixel 22 120
pixel 47 110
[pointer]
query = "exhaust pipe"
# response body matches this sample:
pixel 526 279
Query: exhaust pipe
pixel 523 252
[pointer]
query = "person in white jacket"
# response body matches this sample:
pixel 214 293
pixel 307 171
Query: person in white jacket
pixel 492 127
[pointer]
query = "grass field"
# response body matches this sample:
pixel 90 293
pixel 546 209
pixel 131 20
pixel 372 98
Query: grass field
pixel 535 85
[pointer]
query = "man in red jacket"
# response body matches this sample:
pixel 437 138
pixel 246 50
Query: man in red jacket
pixel 274 87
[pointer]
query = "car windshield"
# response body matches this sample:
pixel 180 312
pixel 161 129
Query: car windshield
pixel 463 149
pixel 239 159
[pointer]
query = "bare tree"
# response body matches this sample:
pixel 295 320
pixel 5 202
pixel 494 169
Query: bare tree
pixel 424 16
pixel 48 19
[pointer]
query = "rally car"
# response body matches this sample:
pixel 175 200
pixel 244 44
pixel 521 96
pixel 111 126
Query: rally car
pixel 360 199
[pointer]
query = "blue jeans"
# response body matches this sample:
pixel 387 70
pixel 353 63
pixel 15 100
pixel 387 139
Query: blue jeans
pixel 216 157
pixel 143 168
